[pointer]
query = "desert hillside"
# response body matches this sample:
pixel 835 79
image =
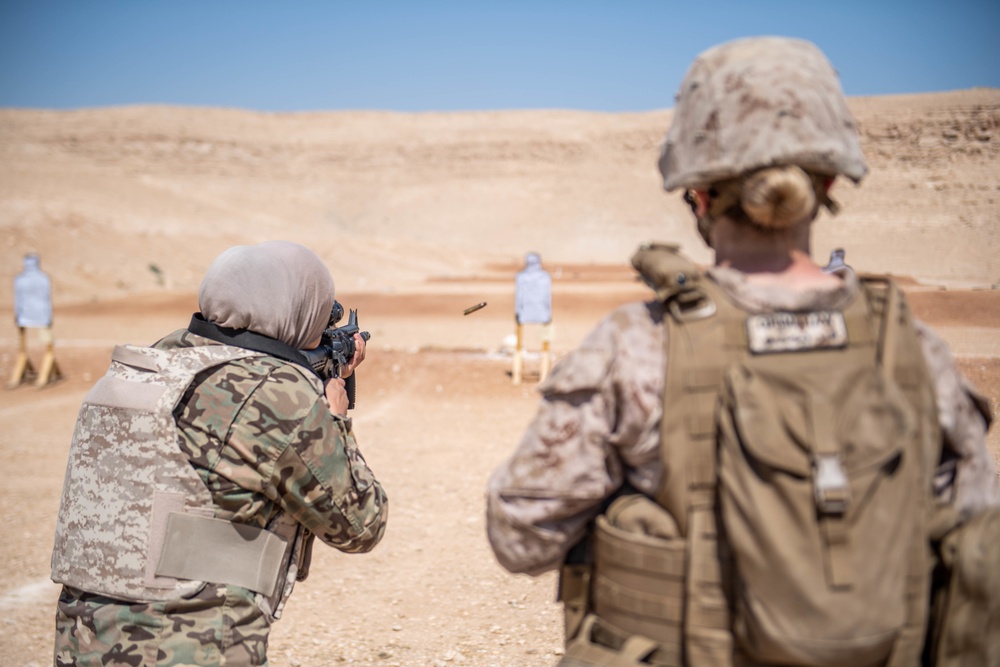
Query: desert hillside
pixel 120 201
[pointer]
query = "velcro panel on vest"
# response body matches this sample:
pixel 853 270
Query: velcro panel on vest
pixel 206 549
pixel 116 393
pixel 164 504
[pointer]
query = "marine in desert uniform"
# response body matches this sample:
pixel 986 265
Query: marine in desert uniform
pixel 760 131
pixel 262 449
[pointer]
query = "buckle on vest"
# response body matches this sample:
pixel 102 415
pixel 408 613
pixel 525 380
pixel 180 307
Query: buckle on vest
pixel 833 493
pixel 691 304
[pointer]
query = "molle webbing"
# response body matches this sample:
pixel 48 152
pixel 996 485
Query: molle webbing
pixel 697 355
pixel 638 584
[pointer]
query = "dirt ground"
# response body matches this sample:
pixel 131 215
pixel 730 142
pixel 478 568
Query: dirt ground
pixel 420 216
pixel 436 413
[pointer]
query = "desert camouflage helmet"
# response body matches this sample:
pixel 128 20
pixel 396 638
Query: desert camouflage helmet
pixel 759 102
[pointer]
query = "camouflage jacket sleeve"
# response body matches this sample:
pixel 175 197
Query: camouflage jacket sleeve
pixel 596 423
pixel 968 478
pixel 316 471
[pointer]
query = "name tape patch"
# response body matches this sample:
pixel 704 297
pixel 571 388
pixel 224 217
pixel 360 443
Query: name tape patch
pixel 793 332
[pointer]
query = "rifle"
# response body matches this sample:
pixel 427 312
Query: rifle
pixel 336 349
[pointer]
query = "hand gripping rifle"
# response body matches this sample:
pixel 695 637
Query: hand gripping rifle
pixel 336 349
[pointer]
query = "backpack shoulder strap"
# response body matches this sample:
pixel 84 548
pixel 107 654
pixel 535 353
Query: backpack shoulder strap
pixel 901 358
pixel 704 336
pixel 901 362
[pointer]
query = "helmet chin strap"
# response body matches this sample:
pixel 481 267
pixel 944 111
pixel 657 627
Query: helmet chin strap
pixel 705 227
pixel 717 200
pixel 699 206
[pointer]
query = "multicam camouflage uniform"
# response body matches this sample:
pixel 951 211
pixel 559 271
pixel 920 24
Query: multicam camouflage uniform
pixel 263 442
pixel 598 425
pixel 772 108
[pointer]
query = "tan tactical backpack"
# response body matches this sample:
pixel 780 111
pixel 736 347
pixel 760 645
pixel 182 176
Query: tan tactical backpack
pixel 792 523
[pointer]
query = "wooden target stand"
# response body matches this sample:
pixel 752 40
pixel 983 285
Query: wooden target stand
pixel 545 362
pixel 24 371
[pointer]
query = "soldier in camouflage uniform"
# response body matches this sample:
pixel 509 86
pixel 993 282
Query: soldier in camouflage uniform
pixel 274 451
pixel 748 112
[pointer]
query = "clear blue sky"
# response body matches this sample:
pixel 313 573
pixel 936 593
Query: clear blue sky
pixel 436 55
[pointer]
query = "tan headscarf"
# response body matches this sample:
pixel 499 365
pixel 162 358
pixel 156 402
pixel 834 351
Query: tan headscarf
pixel 276 288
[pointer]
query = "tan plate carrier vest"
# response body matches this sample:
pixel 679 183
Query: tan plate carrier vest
pixel 665 587
pixel 136 521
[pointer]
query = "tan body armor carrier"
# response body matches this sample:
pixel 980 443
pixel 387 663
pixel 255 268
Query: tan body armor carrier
pixel 761 547
pixel 136 521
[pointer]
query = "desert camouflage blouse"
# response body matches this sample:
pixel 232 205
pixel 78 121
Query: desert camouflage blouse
pixel 599 418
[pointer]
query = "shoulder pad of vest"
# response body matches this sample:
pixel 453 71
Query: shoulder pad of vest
pixel 665 269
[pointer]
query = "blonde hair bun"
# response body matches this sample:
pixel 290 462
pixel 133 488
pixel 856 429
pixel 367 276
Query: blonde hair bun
pixel 778 197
